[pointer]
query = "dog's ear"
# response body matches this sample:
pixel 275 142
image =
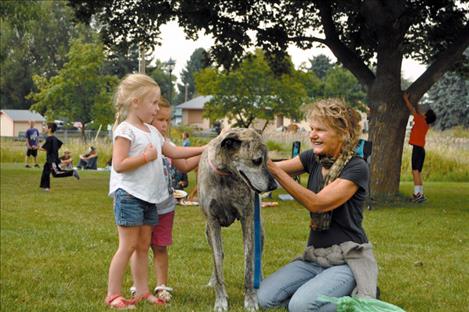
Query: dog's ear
pixel 231 142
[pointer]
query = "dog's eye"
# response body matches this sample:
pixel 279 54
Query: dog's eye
pixel 257 161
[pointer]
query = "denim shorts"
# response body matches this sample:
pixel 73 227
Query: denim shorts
pixel 132 211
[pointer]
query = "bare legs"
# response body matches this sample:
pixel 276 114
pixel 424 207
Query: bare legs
pixel 131 239
pixel 161 264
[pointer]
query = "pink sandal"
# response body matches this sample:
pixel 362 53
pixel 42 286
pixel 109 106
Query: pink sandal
pixel 149 298
pixel 119 303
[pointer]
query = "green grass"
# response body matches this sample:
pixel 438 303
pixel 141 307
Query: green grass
pixel 56 247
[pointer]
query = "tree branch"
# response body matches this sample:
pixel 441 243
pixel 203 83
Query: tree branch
pixel 307 38
pixel 437 69
pixel 346 56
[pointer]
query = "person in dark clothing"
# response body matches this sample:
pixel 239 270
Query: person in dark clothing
pixel 52 146
pixel 89 160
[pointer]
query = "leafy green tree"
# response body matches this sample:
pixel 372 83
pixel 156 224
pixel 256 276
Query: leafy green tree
pixel 370 38
pixel 311 82
pixel 35 39
pixel 121 63
pixel 340 83
pixel 198 60
pixel 79 91
pixel 321 65
pixel 249 92
pixel 161 75
pixel 449 98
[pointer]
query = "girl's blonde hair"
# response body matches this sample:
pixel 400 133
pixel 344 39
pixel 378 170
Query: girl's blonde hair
pixel 340 117
pixel 132 86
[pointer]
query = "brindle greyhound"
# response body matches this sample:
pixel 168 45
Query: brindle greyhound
pixel 232 169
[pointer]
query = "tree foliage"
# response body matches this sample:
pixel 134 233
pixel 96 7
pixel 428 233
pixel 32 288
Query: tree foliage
pixel 160 74
pixel 249 92
pixel 35 39
pixel 340 83
pixel 449 98
pixel 121 63
pixel 125 23
pixel 320 65
pixel 79 91
pixel 198 61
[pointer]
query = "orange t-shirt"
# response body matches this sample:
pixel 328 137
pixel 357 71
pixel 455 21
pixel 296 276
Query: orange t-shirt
pixel 419 130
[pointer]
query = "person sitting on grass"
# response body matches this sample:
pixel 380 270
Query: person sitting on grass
pixel 338 259
pixel 52 146
pixel 66 161
pixel 89 160
pixel 419 130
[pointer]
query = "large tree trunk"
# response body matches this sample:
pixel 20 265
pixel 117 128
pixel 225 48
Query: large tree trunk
pixel 388 119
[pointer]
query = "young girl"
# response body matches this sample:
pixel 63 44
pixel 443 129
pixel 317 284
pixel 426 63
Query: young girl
pixel 136 183
pixel 162 232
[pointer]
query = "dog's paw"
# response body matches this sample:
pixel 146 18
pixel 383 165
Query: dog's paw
pixel 250 302
pixel 221 305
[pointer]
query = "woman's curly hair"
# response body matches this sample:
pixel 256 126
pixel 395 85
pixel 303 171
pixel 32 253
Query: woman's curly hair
pixel 340 117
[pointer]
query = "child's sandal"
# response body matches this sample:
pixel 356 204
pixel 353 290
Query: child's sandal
pixel 149 298
pixel 119 303
pixel 163 292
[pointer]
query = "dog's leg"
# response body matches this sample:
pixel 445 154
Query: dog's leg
pixel 213 279
pixel 250 296
pixel 213 231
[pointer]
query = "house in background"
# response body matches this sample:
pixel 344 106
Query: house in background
pixel 192 111
pixel 16 121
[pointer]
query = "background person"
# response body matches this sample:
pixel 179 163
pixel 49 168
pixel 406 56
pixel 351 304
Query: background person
pixel 419 130
pixel 89 160
pixel 32 141
pixel 181 180
pixel 52 146
pixel 66 161
pixel 185 139
pixel 338 257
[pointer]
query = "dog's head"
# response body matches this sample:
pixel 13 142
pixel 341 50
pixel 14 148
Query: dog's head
pixel 241 152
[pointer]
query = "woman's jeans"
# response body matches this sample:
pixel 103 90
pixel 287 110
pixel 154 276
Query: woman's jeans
pixel 299 284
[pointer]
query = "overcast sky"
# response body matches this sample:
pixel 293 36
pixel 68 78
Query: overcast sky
pixel 175 45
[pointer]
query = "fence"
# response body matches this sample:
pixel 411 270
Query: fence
pixel 70 134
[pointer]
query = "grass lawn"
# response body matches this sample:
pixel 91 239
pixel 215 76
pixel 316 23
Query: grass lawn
pixel 56 247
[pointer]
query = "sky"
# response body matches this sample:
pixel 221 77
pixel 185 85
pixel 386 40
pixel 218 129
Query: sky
pixel 176 46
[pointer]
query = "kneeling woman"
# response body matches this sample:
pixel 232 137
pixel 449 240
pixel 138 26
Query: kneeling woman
pixel 338 259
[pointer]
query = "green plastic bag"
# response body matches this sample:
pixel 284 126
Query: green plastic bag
pixel 354 304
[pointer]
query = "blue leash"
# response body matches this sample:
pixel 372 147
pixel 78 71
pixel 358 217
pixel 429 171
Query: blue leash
pixel 257 242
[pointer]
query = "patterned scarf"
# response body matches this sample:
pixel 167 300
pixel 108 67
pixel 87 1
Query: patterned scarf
pixel 321 221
